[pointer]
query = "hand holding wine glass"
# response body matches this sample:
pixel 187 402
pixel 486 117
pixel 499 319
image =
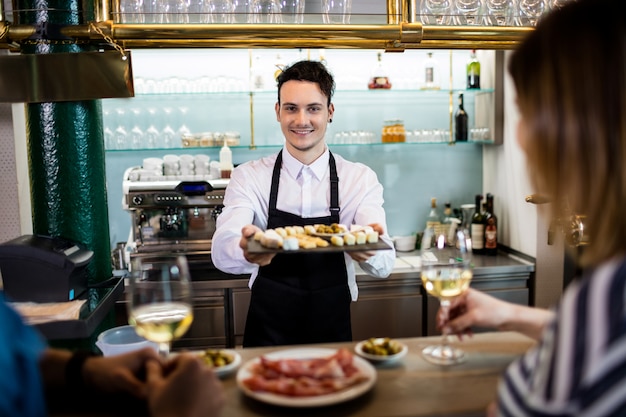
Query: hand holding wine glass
pixel 159 299
pixel 446 273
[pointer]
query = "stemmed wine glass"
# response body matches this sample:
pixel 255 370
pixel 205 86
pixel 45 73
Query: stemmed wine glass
pixel 499 10
pixel 531 11
pixel 467 11
pixel 435 12
pixel 446 273
pixel 159 298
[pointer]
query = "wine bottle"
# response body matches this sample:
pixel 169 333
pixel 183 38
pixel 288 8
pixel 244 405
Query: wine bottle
pixel 473 71
pixel 491 228
pixel 460 122
pixel 477 228
pixel 379 78
pixel 434 219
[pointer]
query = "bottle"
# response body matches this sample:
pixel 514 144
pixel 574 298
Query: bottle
pixel 257 82
pixel 473 71
pixel 431 73
pixel 226 161
pixel 450 224
pixel 434 219
pixel 491 228
pixel 379 78
pixel 460 122
pixel 477 228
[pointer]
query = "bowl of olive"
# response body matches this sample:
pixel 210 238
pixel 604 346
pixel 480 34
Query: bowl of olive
pixel 381 349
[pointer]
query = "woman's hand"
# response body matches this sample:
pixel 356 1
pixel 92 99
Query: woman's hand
pixel 183 387
pixel 475 308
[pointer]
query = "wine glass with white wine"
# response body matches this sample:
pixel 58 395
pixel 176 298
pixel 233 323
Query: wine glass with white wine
pixel 446 274
pixel 159 298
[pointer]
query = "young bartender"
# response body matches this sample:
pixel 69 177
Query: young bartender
pixel 305 297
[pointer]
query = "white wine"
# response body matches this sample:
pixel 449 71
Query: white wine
pixel 446 282
pixel 162 322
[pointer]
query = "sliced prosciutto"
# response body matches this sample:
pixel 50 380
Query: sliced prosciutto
pixel 304 377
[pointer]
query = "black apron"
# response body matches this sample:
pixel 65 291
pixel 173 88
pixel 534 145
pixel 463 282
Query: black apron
pixel 300 298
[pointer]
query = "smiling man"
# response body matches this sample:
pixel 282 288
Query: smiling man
pixel 300 298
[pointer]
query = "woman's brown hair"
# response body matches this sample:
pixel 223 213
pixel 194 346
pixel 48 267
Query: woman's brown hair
pixel 570 78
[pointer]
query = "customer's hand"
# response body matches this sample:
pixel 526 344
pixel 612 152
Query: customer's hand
pixel 473 308
pixel 120 373
pixel 184 387
pixel 261 259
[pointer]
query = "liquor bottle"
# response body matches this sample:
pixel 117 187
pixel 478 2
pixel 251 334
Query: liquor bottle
pixel 450 225
pixel 226 161
pixel 473 71
pixel 431 73
pixel 379 78
pixel 477 228
pixel 460 122
pixel 434 219
pixel 491 228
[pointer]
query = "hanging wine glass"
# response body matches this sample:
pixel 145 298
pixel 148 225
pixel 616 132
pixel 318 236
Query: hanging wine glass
pixel 168 134
pixel 446 273
pixel 498 12
pixel 435 12
pixel 136 134
pixel 120 135
pixel 531 11
pixel 467 11
pixel 151 135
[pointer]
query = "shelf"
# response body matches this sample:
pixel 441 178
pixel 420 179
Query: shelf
pixel 272 94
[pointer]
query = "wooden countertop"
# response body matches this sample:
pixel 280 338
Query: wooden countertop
pixel 410 387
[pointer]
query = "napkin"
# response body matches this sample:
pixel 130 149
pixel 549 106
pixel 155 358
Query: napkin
pixel 35 313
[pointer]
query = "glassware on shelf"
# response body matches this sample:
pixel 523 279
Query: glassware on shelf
pixel 221 11
pixel 159 296
pixel 183 130
pixel 151 135
pixel 265 11
pixel 136 133
pixel 180 11
pixel 162 11
pixel 557 4
pixel 292 11
pixel 336 11
pixel 499 12
pixel 530 12
pixel 168 134
pixel 446 273
pixel 435 12
pixel 120 134
pixel 467 12
pixel 132 11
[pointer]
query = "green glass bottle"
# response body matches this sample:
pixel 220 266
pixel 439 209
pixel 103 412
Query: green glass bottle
pixel 473 71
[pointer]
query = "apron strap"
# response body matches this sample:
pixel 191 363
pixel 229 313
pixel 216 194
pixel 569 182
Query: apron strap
pixel 334 189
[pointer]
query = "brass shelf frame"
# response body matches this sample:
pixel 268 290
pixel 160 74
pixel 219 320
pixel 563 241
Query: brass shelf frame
pixel 402 32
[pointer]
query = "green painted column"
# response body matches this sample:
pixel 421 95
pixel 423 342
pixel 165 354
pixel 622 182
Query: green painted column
pixel 65 144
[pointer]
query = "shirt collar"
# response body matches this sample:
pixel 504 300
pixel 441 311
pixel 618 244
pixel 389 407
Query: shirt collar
pixel 318 168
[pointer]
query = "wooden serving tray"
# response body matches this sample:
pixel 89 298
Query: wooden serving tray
pixel 256 247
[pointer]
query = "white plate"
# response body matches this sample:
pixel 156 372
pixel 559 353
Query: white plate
pixel 226 369
pixel 315 401
pixel 380 358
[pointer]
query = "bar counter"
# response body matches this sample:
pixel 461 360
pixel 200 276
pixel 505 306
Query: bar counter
pixel 410 387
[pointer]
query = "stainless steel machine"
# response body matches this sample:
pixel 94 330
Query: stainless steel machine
pixel 179 216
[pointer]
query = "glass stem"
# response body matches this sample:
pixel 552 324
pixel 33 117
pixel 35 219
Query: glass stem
pixel 445 308
pixel 164 349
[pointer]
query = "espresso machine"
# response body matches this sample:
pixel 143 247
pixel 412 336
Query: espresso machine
pixel 173 215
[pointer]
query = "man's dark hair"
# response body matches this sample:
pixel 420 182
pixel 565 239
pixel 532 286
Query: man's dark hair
pixel 313 71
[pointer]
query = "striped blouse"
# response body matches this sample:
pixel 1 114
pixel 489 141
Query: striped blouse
pixel 579 366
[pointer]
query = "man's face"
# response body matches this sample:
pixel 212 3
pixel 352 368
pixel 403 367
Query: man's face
pixel 303 114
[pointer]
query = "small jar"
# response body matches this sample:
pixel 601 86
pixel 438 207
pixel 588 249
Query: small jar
pixel 393 131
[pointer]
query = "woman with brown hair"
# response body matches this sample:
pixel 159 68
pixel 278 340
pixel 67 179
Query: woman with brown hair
pixel 570 78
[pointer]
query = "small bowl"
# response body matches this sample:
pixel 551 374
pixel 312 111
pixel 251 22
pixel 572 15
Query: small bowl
pixel 380 358
pixel 404 243
pixel 120 340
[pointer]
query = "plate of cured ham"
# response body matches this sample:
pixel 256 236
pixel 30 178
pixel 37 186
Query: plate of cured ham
pixel 306 377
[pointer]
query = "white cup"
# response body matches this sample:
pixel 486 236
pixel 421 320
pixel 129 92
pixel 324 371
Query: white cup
pixel 120 340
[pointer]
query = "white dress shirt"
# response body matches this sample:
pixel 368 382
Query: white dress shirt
pixel 304 190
